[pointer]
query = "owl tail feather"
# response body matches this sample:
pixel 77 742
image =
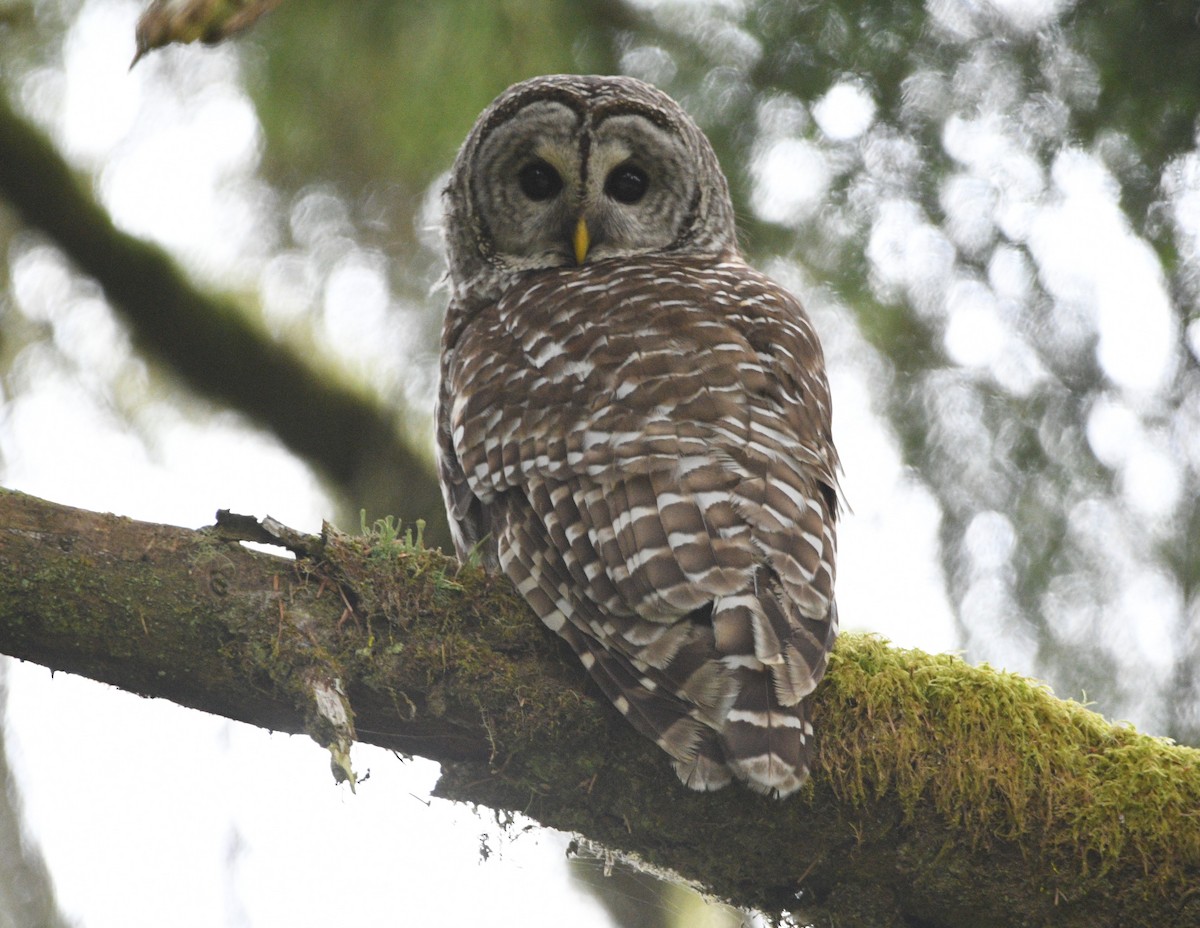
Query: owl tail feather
pixel 655 713
pixel 707 770
pixel 766 744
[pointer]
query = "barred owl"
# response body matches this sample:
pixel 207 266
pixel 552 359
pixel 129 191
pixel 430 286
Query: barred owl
pixel 633 425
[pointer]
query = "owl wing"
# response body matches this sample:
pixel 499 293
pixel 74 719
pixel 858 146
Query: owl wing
pixel 647 446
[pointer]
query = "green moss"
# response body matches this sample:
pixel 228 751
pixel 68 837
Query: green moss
pixel 999 756
pixel 943 765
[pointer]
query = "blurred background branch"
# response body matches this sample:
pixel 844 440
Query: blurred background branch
pixel 214 348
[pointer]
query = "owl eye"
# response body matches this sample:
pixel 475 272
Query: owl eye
pixel 626 183
pixel 539 181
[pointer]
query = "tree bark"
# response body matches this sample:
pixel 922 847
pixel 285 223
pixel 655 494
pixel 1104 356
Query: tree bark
pixel 944 795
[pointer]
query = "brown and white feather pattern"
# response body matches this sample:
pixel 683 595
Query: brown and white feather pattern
pixel 643 446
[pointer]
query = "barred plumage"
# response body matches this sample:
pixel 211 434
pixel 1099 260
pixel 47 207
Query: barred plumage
pixel 641 440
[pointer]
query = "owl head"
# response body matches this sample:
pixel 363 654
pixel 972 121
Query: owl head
pixel 567 169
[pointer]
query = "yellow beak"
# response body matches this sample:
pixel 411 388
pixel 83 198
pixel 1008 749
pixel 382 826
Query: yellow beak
pixel 581 240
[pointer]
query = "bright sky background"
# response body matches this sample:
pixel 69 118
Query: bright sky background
pixel 149 814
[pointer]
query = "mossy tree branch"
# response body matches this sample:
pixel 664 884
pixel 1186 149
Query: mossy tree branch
pixel 211 344
pixel 944 795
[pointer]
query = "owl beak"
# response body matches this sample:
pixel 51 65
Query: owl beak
pixel 581 240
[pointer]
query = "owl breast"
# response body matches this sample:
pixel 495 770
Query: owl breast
pixel 643 446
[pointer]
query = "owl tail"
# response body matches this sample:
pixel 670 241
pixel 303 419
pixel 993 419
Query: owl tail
pixel 766 744
pixel 652 710
pixel 706 769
